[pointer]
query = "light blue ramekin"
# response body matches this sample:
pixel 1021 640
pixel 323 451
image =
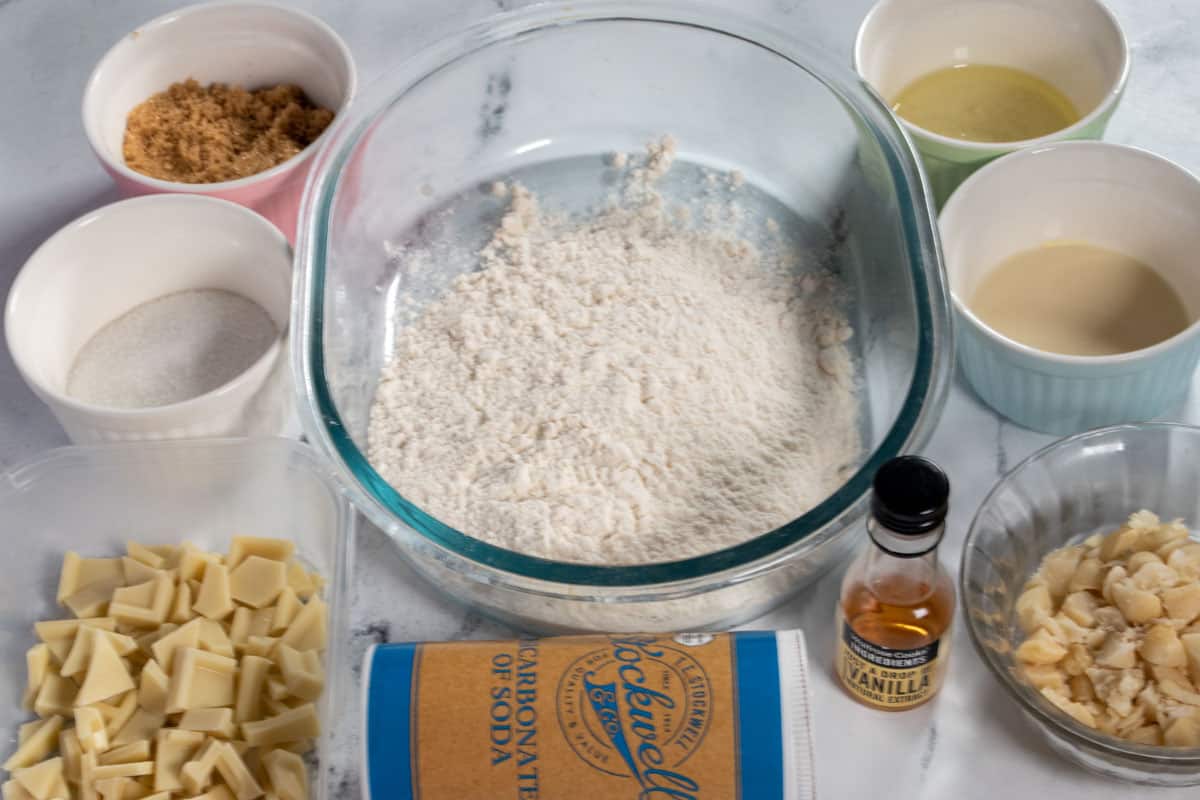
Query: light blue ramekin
pixel 1117 197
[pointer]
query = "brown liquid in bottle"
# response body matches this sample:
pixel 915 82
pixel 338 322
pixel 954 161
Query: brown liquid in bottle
pixel 898 616
pixel 897 603
pixel 902 613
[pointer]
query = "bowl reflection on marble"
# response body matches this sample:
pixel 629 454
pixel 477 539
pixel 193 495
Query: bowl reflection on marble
pixel 541 96
pixel 1073 488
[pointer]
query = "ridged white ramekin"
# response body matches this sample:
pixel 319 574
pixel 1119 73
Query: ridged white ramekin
pixel 1117 197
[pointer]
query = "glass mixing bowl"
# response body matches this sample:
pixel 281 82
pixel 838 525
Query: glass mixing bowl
pixel 541 96
pixel 1060 495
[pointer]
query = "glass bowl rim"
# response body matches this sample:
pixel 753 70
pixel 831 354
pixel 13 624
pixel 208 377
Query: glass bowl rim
pixel 923 399
pixel 1041 710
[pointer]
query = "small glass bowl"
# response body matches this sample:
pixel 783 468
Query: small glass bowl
pixel 1073 488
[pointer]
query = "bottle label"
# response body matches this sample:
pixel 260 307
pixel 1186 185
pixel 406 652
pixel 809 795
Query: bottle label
pixel 636 717
pixel 887 678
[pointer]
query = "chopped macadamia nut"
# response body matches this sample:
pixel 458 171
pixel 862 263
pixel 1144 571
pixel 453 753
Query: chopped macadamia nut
pixel 1108 633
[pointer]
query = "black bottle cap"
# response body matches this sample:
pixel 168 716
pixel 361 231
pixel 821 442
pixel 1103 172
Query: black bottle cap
pixel 911 495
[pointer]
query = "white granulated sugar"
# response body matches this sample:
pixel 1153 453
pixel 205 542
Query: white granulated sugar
pixel 620 389
pixel 171 349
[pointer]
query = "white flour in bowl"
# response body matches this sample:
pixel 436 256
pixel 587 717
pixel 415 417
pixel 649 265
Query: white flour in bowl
pixel 620 389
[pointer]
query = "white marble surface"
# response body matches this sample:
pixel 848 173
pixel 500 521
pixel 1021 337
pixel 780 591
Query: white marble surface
pixel 971 742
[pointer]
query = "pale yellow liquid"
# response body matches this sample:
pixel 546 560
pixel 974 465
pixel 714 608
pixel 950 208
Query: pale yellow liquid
pixel 1079 300
pixel 982 103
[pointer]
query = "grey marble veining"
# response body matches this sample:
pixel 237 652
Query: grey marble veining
pixel 971 742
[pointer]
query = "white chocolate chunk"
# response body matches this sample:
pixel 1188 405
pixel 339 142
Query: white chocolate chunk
pixel 138 572
pixel 90 601
pixel 214 639
pixel 117 788
pixel 274 707
pixel 201 680
pixel 37 744
pixel 194 563
pixel 184 637
pixel 57 696
pixel 78 573
pixel 303 583
pixel 217 792
pixel 146 555
pixel 141 726
pixel 257 581
pixel 302 672
pixel 181 607
pixel 217 722
pixel 173 749
pixel 14 791
pixel 80 656
pixel 299 747
pixel 197 774
pixel 260 622
pixel 287 773
pixel 27 729
pixel 260 646
pixel 58 629
pixel 287 606
pixel 43 781
pixel 152 688
pixel 214 599
pixel 307 631
pixel 89 727
pixel 107 675
pixel 239 626
pixel 243 547
pixel 297 723
pixel 37 666
pixel 130 770
pixel 72 752
pixel 120 714
pixel 145 605
pixel 251 681
pixel 235 774
pixel 127 753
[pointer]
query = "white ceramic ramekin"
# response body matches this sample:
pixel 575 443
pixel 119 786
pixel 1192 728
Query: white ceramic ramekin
pixel 1117 197
pixel 107 262
pixel 252 44
pixel 1076 45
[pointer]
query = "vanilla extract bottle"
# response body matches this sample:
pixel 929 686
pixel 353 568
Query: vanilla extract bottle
pixel 897 603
